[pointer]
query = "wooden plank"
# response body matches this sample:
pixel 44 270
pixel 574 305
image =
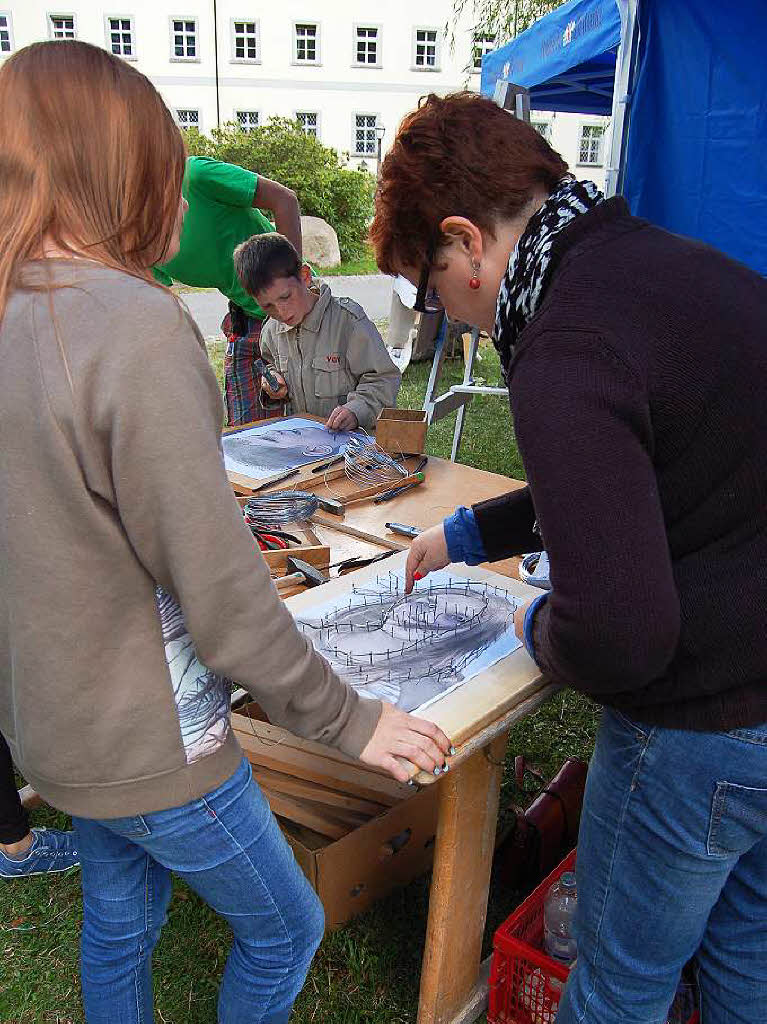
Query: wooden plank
pixel 279 782
pixel 351 531
pixel 468 808
pixel 329 773
pixel 252 718
pixel 294 810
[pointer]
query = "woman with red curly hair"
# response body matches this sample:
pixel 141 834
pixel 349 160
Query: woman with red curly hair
pixel 637 369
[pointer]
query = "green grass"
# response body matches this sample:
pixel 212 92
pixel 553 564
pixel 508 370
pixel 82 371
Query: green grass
pixel 364 973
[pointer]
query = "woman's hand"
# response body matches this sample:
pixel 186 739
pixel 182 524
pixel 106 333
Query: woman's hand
pixel 519 619
pixel 427 553
pixel 400 735
pixel 275 393
pixel 342 418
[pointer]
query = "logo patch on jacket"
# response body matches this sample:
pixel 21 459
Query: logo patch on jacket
pixel 334 358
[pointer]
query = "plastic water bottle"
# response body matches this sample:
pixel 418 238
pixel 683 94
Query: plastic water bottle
pixel 558 916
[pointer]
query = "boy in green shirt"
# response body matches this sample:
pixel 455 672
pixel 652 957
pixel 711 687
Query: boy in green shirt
pixel 225 203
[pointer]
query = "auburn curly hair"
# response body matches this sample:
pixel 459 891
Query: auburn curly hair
pixel 459 155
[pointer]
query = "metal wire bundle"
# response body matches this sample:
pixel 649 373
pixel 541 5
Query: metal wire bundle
pixel 366 463
pixel 282 507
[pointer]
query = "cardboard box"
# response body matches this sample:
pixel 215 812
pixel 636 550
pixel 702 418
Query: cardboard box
pixel 351 872
pixel 402 431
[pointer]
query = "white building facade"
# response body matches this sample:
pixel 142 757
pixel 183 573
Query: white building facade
pixel 344 69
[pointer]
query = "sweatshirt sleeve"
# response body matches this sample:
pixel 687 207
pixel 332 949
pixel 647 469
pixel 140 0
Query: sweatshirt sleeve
pixel 378 379
pixel 162 421
pixel 506 524
pixel 612 620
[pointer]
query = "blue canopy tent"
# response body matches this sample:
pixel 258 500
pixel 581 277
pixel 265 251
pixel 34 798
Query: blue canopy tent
pixel 691 154
pixel 566 60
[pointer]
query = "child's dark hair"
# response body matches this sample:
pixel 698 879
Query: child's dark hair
pixel 264 258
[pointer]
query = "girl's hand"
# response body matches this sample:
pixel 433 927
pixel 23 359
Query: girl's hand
pixel 400 735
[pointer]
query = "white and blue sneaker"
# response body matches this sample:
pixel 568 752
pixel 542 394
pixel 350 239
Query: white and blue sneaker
pixel 51 850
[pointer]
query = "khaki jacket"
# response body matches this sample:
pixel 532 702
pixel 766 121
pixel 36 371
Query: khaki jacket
pixel 334 357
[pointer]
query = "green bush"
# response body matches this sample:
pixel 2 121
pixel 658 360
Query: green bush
pixel 282 151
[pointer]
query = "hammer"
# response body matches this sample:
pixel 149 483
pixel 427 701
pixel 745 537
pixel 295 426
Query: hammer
pixel 301 572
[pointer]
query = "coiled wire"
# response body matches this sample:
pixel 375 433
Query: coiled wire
pixel 280 508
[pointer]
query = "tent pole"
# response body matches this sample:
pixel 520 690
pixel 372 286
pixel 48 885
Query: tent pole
pixel 624 76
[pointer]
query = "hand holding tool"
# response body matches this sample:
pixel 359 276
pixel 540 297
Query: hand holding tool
pixel 268 374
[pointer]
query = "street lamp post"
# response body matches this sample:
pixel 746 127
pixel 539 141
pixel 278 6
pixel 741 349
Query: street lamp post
pixel 380 132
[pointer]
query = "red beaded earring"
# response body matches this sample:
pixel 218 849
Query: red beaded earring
pixel 474 281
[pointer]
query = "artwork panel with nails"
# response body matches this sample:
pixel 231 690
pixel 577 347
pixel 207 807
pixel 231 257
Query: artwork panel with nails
pixel 413 649
pixel 259 451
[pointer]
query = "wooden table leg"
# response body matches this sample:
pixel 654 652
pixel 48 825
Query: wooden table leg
pixel 463 856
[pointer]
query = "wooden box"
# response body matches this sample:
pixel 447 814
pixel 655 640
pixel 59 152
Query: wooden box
pixel 310 549
pixel 368 857
pixel 402 431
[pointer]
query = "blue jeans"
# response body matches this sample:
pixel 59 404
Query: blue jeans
pixel 228 847
pixel 672 862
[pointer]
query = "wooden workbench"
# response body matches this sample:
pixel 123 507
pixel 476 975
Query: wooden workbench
pixel 452 991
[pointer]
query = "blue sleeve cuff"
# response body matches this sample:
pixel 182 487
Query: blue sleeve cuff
pixel 527 630
pixel 464 541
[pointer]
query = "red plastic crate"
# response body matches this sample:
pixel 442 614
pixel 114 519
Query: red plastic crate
pixel 525 983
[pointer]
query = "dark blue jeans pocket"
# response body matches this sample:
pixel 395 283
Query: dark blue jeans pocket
pixel 738 819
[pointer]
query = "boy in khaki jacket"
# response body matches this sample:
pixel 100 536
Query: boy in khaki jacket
pixel 327 356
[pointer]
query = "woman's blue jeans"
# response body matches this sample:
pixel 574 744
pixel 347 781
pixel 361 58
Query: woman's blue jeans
pixel 228 847
pixel 672 863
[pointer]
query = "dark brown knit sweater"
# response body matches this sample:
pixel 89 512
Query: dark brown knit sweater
pixel 639 395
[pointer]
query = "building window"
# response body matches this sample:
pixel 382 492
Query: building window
pixel 364 142
pixel 247 119
pixel 543 128
pixel 62 26
pixel 6 33
pixel 426 49
pixel 120 37
pixel 310 122
pixel 188 118
pixel 483 43
pixel 307 43
pixel 590 150
pixel 245 41
pixel 366 46
pixel 183 41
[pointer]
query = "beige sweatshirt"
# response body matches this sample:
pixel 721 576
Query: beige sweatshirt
pixel 131 590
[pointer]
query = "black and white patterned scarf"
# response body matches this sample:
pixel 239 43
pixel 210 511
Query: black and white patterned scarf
pixel 529 269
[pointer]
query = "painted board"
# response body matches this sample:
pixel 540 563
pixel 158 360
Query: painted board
pixel 413 650
pixel 260 451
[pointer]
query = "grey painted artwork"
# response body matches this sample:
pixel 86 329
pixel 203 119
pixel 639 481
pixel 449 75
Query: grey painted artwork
pixel 413 649
pixel 260 451
pixel 202 697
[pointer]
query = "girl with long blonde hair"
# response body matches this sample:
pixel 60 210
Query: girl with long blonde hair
pixel 132 591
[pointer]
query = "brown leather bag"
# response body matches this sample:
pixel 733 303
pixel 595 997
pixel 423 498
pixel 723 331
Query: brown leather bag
pixel 541 836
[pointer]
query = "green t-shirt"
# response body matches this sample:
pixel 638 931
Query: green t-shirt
pixel 220 216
